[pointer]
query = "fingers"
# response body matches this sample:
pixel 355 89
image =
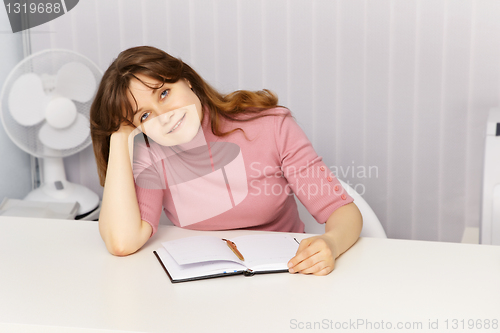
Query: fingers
pixel 325 271
pixel 314 256
pixel 304 244
pixel 318 269
pixel 313 265
pixel 307 248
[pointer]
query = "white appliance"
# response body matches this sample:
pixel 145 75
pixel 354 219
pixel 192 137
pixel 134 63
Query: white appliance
pixel 490 214
pixel 45 105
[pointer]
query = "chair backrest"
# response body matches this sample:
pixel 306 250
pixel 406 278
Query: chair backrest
pixel 371 224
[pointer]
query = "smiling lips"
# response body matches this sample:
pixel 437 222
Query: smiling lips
pixel 177 125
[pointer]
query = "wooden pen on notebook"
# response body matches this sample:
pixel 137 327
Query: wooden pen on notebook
pixel 233 247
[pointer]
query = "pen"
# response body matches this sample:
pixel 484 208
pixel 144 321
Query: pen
pixel 233 247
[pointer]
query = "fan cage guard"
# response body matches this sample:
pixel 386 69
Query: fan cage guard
pixel 45 62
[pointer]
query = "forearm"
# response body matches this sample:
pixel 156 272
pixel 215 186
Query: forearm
pixel 120 222
pixel 317 254
pixel 343 227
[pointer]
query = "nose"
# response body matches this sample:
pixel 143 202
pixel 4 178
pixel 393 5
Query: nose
pixel 164 118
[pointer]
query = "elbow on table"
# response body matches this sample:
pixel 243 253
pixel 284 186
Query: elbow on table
pixel 119 249
pixel 123 242
pixel 120 246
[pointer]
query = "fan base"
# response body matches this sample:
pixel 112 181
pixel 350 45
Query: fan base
pixel 64 191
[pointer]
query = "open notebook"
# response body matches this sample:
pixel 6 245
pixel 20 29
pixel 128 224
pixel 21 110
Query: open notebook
pixel 203 257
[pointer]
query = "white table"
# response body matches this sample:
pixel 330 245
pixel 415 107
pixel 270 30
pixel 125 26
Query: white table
pixel 56 276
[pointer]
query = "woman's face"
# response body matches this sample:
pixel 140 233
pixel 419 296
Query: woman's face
pixel 170 115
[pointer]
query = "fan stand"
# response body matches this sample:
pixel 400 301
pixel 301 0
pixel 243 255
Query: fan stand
pixel 56 188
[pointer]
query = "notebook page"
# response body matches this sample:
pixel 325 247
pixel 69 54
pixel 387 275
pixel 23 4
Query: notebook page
pixel 267 251
pixel 199 249
pixel 180 272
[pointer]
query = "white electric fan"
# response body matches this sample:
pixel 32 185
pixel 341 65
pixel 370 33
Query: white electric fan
pixel 45 105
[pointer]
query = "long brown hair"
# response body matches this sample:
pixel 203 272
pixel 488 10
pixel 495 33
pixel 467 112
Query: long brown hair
pixel 111 107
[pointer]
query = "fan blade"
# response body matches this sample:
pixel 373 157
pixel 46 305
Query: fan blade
pixel 66 138
pixel 27 100
pixel 76 81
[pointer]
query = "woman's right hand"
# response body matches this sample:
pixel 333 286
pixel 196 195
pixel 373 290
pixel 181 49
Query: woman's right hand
pixel 120 222
pixel 126 128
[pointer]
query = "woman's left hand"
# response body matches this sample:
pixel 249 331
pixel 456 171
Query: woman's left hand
pixel 315 255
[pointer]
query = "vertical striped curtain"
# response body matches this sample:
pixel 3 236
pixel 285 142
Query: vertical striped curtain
pixel 393 94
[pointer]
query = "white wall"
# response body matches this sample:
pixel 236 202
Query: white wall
pixel 15 169
pixel 397 88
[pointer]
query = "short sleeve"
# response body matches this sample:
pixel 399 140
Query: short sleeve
pixel 309 178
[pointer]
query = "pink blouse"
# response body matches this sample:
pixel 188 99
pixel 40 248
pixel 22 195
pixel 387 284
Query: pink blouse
pixel 245 180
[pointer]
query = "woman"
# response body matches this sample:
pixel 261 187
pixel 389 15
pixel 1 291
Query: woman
pixel 239 157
